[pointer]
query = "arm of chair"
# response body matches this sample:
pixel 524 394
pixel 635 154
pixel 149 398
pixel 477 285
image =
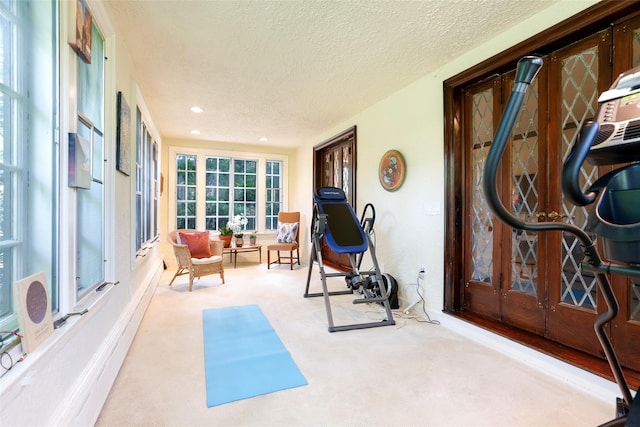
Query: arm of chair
pixel 183 255
pixel 215 246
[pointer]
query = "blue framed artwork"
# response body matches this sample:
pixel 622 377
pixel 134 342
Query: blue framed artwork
pixel 123 139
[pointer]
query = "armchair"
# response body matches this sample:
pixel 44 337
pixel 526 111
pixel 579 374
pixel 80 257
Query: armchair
pixel 197 261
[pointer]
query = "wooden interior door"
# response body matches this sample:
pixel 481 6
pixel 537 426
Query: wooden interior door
pixel 578 74
pixel 625 331
pixel 483 257
pixel 503 279
pixel 335 166
pixel 524 284
pixel 482 231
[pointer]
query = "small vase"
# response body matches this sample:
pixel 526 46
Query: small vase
pixel 239 242
pixel 252 241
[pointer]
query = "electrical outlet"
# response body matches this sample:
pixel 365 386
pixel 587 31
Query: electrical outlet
pixel 422 273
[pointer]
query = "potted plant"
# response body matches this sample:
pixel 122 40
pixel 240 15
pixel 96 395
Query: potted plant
pixel 225 235
pixel 252 239
pixel 237 225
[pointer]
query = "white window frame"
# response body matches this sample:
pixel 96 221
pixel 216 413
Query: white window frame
pixel 31 173
pixel 201 154
pixel 145 182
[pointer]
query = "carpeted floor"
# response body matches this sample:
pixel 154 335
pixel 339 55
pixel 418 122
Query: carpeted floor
pixel 411 374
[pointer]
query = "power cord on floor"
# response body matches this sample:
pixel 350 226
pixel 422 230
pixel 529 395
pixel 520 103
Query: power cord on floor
pixel 421 274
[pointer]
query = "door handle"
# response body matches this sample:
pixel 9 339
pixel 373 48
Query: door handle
pixel 553 216
pixel 541 216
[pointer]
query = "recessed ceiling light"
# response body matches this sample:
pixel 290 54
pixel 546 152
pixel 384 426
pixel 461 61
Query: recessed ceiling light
pixel 195 132
pixel 264 139
pixel 196 109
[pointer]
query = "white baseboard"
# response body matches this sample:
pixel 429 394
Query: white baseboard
pixel 92 388
pixel 592 384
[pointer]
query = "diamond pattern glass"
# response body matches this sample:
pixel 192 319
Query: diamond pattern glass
pixel 635 49
pixel 481 220
pixel 524 194
pixel 579 104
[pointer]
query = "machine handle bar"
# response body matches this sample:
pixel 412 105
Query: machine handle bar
pixel 575 159
pixel 527 70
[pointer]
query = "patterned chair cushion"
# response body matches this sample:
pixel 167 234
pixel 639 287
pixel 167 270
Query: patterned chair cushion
pixel 287 232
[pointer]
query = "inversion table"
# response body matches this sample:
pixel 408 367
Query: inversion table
pixel 336 222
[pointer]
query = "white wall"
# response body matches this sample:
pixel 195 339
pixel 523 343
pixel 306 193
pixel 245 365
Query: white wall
pixel 66 380
pixel 411 121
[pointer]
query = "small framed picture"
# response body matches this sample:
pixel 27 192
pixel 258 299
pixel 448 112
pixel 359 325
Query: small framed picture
pixel 123 136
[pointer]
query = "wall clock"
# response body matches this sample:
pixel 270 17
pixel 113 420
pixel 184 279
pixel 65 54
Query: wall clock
pixel 392 170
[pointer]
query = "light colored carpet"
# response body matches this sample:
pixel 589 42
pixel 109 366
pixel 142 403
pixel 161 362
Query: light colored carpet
pixel 411 374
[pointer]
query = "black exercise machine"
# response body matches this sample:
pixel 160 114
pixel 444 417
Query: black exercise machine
pixel 336 222
pixel 615 216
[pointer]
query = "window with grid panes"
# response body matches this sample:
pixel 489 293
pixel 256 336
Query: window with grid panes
pixel 212 187
pixel 146 184
pixel 186 191
pixel 217 192
pixel 90 202
pixel 245 190
pixel 273 193
pixel 28 149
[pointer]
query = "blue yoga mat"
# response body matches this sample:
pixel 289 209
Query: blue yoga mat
pixel 243 356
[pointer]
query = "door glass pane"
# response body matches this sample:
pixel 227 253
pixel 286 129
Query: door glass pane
pixel 337 168
pixel 524 194
pixel 635 48
pixel 634 300
pixel 579 104
pixel 481 219
pixel 346 167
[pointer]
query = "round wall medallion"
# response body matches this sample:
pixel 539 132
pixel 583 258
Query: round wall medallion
pixel 392 170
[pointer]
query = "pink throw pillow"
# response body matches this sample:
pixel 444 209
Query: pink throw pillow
pixel 198 243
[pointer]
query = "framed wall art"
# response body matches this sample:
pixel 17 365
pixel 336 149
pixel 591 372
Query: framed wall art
pixel 392 170
pixel 81 34
pixel 80 161
pixel 123 136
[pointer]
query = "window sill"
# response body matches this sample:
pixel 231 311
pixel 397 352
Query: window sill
pixel 20 374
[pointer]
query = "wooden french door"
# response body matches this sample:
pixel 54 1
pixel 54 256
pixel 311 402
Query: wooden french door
pixel 504 281
pixel 580 73
pixel 533 281
pixel 334 165
pixel 625 331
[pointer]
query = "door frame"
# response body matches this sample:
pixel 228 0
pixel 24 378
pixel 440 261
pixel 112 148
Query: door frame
pixel 334 141
pixel 589 21
pixel 347 137
pixel 586 23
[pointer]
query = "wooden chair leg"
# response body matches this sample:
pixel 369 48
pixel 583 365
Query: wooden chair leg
pixel 191 277
pixel 268 259
pixel 178 273
pixel 291 260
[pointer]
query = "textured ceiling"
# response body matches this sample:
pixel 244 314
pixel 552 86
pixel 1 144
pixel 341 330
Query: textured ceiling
pixel 291 70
